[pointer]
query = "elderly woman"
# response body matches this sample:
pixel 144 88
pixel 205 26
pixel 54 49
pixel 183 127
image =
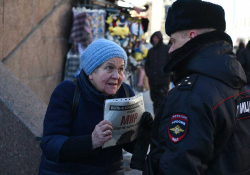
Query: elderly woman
pixel 72 141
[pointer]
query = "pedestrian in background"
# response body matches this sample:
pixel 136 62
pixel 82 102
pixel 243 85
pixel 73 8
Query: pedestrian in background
pixel 198 129
pixel 157 57
pixel 244 59
pixel 240 47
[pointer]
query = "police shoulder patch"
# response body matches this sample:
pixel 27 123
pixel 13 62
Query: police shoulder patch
pixel 177 128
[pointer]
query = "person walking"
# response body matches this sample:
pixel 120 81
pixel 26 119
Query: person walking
pixel 240 47
pixel 244 59
pixel 157 57
pixel 203 125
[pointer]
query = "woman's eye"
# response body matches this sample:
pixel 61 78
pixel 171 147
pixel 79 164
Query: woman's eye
pixel 120 69
pixel 109 67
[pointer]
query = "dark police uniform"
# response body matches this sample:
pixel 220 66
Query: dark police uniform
pixel 203 125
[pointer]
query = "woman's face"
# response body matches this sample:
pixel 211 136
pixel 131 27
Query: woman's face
pixel 107 78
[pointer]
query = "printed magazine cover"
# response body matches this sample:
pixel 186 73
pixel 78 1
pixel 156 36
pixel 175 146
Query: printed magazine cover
pixel 125 115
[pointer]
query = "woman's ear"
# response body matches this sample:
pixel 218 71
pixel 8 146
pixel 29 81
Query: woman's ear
pixel 91 77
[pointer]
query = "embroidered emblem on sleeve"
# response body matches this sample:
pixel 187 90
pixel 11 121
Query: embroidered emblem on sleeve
pixel 177 128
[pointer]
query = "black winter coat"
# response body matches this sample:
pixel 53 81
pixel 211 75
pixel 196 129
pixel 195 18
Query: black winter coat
pixel 197 130
pixel 157 57
pixel 244 59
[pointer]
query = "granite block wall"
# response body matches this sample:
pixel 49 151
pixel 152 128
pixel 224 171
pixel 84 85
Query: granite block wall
pixel 33 47
pixel 21 123
pixel 34 41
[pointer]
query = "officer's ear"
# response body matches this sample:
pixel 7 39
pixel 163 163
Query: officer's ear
pixel 192 34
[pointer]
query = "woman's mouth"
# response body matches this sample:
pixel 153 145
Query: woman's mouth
pixel 112 84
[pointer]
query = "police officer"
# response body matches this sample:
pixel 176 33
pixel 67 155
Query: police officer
pixel 197 129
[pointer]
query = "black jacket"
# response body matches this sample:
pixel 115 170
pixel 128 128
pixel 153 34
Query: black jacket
pixel 197 130
pixel 244 59
pixel 157 57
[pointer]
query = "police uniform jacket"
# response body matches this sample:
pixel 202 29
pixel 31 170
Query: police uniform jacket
pixel 196 129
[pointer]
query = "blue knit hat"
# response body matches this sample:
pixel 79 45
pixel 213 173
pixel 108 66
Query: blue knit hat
pixel 98 52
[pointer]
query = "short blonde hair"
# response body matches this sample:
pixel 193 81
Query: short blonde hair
pixel 206 30
pixel 198 31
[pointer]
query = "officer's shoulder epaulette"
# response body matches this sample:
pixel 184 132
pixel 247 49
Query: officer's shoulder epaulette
pixel 186 84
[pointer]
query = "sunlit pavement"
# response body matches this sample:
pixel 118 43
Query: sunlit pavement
pixel 147 102
pixel 148 107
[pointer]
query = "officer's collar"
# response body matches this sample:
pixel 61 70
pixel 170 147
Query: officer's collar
pixel 192 46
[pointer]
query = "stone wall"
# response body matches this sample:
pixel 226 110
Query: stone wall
pixel 34 41
pixel 21 122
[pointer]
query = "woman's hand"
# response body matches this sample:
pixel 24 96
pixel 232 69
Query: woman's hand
pixel 101 134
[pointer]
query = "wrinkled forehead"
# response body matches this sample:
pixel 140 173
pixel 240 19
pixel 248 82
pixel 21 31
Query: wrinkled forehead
pixel 115 61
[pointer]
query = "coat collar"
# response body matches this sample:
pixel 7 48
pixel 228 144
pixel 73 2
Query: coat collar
pixel 192 46
pixel 209 54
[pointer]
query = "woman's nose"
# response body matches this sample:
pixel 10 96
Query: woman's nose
pixel 115 74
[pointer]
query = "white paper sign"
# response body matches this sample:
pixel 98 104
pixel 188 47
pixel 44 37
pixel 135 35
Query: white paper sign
pixel 125 115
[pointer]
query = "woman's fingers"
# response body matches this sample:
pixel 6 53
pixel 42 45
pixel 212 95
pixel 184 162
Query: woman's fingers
pixel 106 138
pixel 103 122
pixel 107 133
pixel 106 127
pixel 101 133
